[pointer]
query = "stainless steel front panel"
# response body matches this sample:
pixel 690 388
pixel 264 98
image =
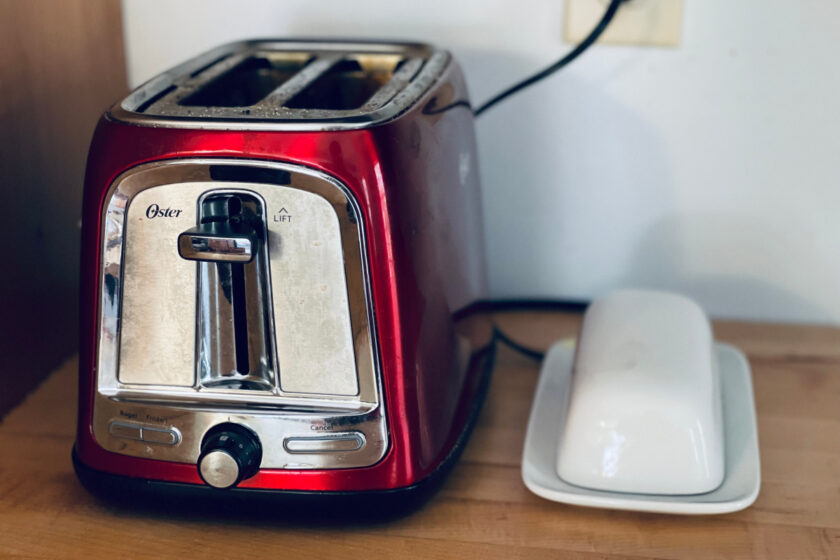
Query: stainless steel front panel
pixel 157 342
pixel 327 377
pixel 311 311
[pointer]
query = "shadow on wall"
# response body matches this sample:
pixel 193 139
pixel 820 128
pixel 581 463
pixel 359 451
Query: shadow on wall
pixel 742 247
pixel 570 176
pixel 580 198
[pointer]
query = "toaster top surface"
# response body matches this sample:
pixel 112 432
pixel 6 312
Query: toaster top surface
pixel 287 85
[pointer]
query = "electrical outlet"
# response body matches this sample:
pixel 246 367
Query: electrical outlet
pixel 637 22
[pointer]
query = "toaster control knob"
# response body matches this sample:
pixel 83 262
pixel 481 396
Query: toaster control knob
pixel 229 453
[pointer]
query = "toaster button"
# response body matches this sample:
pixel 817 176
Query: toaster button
pixel 325 444
pixel 123 430
pixel 160 435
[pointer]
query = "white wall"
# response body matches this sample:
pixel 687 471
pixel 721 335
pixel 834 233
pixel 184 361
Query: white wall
pixel 712 169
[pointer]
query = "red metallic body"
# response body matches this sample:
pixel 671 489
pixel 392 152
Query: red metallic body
pixel 421 212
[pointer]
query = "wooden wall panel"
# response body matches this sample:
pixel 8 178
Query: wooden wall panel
pixel 61 64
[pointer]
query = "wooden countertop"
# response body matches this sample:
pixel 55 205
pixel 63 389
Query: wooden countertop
pixel 484 510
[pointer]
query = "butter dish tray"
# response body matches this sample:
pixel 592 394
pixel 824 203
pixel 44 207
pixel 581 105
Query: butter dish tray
pixel 742 478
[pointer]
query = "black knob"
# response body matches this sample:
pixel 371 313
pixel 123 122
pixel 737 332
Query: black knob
pixel 230 453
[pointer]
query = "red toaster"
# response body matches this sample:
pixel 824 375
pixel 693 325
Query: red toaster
pixel 281 250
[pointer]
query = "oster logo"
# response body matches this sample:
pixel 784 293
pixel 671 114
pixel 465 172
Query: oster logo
pixel 155 211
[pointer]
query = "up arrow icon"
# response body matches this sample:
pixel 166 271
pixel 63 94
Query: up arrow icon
pixel 282 216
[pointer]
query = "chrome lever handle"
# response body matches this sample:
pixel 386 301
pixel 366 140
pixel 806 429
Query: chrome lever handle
pixel 198 244
pixel 227 232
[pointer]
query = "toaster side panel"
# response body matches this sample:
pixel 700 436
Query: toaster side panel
pixel 430 168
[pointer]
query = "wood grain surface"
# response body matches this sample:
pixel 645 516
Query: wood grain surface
pixel 484 510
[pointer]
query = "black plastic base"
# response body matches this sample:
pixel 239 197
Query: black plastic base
pixel 195 500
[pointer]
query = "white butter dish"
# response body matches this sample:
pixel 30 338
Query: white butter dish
pixel 644 412
pixel 542 462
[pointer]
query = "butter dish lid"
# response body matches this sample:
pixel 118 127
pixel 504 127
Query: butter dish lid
pixel 644 412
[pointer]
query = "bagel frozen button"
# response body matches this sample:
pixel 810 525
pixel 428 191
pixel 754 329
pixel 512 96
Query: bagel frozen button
pixel 645 412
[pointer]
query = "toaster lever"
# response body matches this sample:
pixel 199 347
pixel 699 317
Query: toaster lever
pixel 228 232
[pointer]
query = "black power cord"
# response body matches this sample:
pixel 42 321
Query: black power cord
pixel 430 109
pixel 490 306
pixel 576 52
pixel 593 36
pixel 534 354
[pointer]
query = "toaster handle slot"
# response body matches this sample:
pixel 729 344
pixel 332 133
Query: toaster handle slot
pixel 234 346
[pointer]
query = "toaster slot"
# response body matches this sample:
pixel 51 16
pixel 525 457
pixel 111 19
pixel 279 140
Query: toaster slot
pixel 348 84
pixel 248 82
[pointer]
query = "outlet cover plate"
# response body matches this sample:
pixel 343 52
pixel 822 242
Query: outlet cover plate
pixel 637 22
